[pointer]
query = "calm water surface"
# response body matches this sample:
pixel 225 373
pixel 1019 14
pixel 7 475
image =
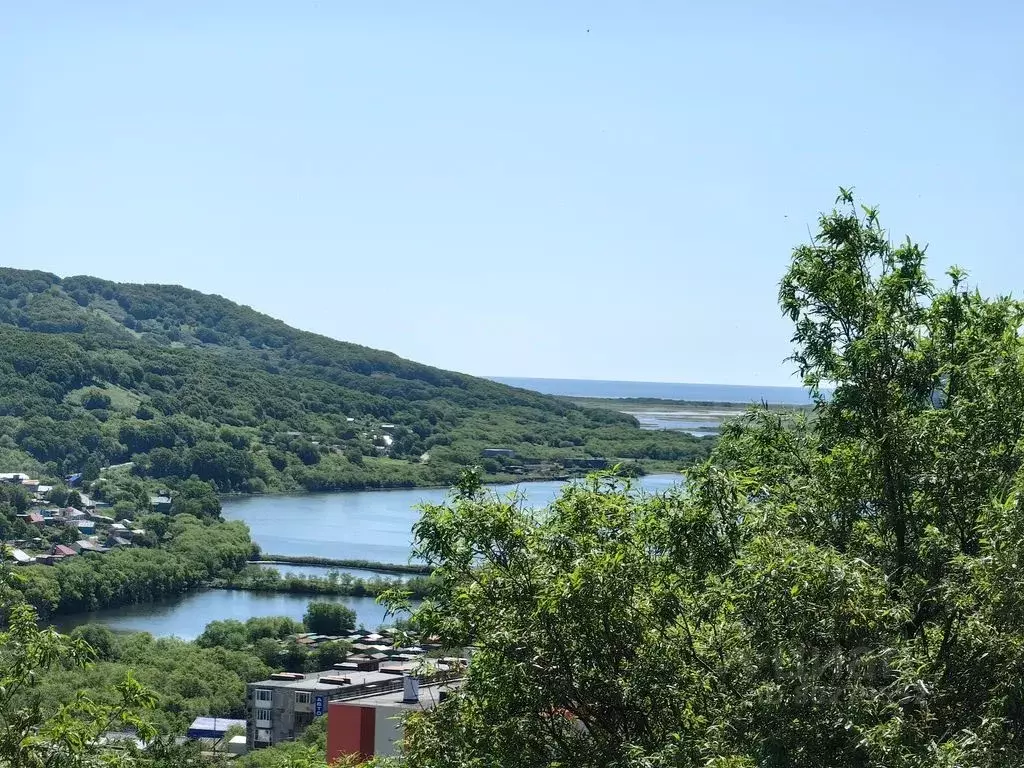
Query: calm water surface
pixel 371 525
pixel 655 421
pixel 323 571
pixel 187 616
pixel 368 525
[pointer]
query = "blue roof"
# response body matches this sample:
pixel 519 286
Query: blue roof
pixel 212 726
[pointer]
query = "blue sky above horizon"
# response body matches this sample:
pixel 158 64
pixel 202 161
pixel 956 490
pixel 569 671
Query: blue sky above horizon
pixel 578 190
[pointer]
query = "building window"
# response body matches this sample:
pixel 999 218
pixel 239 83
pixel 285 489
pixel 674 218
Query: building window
pixel 263 694
pixel 302 697
pixel 263 714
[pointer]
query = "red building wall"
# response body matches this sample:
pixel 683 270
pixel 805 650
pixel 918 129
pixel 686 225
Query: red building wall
pixel 350 730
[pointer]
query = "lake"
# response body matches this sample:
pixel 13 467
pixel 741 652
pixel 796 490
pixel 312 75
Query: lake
pixel 366 525
pixel 370 525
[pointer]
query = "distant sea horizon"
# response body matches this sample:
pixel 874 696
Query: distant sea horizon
pixel 614 390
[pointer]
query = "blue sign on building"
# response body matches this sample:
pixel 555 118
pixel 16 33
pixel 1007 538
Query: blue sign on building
pixel 318 706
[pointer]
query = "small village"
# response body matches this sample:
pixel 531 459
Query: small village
pixel 69 531
pixel 386 668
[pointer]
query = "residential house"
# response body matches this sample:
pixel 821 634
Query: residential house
pixel 87 545
pixel 61 550
pixel 21 557
pixel 117 541
pixel 20 478
pixel 492 453
pixel 160 503
pixel 86 527
pixel 36 519
pixel 212 727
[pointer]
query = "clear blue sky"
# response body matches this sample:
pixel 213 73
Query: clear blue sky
pixel 494 189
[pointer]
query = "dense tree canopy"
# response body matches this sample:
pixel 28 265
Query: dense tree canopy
pixel 190 553
pixel 64 733
pixel 840 590
pixel 189 385
pixel 329 618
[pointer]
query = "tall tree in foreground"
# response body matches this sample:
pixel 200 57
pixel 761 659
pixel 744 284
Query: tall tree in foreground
pixel 842 590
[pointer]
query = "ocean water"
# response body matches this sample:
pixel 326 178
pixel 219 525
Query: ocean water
pixel 718 393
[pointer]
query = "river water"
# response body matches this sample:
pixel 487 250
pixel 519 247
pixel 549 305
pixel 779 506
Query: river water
pixel 369 525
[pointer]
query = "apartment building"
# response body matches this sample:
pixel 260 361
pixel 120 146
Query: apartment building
pixel 281 707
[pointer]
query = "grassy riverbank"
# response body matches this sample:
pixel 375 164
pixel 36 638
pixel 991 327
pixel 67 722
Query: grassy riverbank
pixel 327 562
pixel 257 579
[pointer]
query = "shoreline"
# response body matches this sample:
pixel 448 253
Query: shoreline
pixel 355 564
pixel 223 497
pixel 527 478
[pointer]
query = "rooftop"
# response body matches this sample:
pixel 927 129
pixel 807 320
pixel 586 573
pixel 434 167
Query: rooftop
pixel 215 724
pixel 429 696
pixel 311 681
pixel 21 556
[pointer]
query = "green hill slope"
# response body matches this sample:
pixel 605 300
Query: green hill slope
pixel 95 373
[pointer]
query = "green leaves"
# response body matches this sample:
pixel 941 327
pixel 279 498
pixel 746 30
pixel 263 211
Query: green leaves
pixel 69 736
pixel 841 590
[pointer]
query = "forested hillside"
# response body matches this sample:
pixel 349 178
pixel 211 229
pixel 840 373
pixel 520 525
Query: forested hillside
pixel 182 384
